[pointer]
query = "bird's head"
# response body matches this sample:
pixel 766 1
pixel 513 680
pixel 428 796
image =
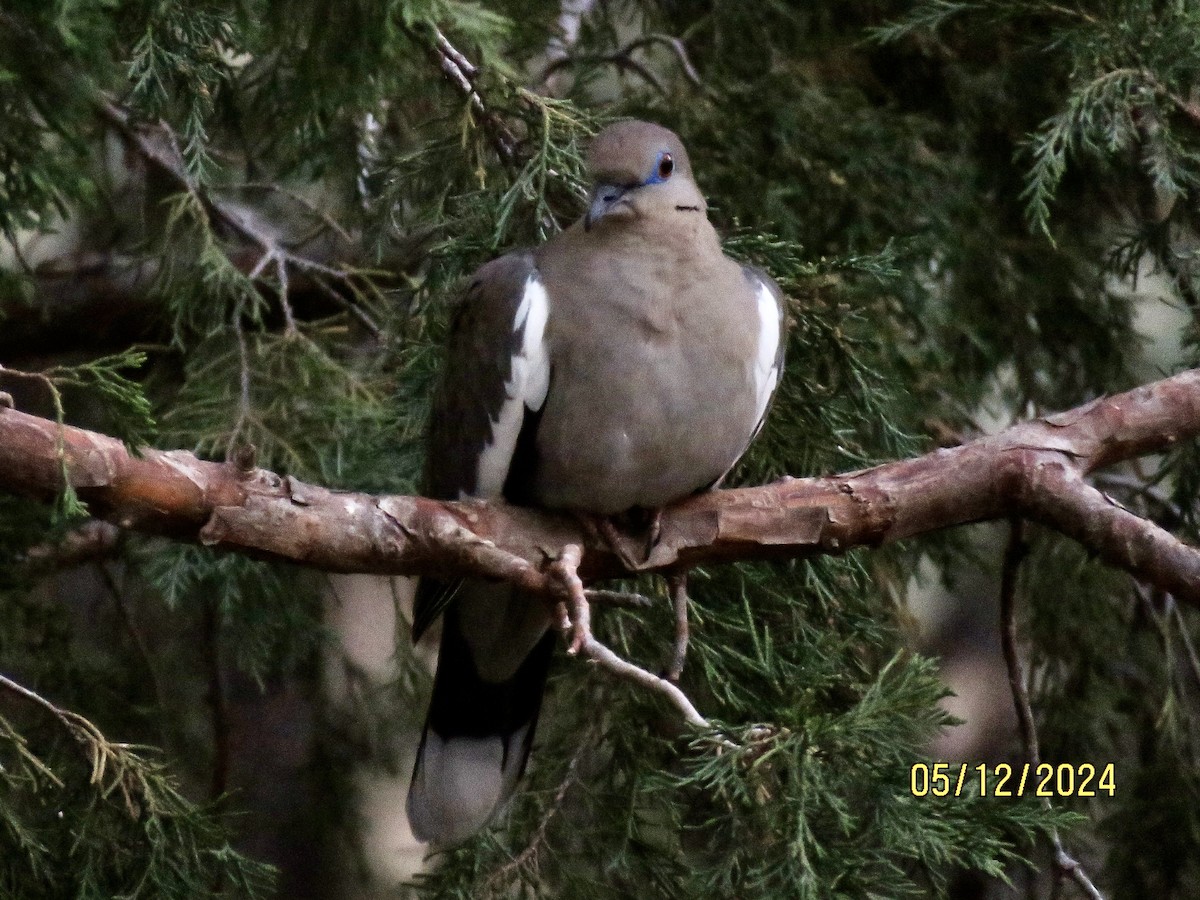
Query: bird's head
pixel 640 170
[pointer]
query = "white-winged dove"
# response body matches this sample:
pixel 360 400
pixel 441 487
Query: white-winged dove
pixel 625 363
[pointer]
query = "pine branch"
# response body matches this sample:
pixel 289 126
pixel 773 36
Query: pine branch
pixel 158 145
pixel 461 73
pixel 1034 469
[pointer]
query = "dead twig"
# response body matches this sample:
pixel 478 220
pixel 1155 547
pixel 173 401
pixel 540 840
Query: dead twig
pixel 626 599
pixel 677 585
pixel 1065 865
pixel 461 73
pixel 624 60
pixel 575 618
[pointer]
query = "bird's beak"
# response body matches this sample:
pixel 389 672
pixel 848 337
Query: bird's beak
pixel 604 198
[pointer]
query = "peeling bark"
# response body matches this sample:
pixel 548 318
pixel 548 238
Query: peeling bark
pixel 1034 470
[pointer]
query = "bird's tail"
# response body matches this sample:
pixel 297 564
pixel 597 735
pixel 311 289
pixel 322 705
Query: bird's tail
pixel 495 654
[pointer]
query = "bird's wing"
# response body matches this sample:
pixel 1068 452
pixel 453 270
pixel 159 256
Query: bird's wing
pixel 769 307
pixel 495 646
pixel 768 360
pixel 496 377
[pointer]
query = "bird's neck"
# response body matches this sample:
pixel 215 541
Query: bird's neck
pixel 684 234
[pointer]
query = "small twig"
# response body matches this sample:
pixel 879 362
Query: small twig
pixel 623 59
pixel 619 58
pixel 289 317
pixel 462 72
pixel 311 208
pixel 1149 492
pixel 1188 646
pixel 139 640
pixel 66 717
pixel 607 659
pixel 244 384
pixel 92 541
pixel 1014 552
pixel 676 46
pixel 576 619
pixel 353 308
pixel 677 584
pixel 1070 868
pixel 102 753
pixel 626 599
pixel 1065 865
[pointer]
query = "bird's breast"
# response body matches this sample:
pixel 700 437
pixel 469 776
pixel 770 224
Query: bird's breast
pixel 651 397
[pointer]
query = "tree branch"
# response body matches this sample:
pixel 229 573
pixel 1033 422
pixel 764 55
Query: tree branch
pixel 1034 469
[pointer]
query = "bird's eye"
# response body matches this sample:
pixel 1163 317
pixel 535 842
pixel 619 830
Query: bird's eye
pixel 666 166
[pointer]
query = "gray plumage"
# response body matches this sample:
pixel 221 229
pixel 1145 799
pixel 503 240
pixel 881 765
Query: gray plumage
pixel 627 362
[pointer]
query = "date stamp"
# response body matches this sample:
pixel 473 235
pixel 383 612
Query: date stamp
pixel 1003 780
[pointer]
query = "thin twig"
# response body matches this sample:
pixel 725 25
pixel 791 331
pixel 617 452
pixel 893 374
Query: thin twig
pixel 1014 552
pixel 607 659
pixel 92 541
pixel 677 584
pixel 289 317
pixel 623 59
pixel 462 72
pixel 244 384
pixel 1065 865
pixel 1188 646
pixel 311 208
pixel 576 620
pixel 626 599
pixel 139 640
pixel 1149 492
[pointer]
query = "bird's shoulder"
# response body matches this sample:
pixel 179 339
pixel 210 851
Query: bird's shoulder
pixel 493 295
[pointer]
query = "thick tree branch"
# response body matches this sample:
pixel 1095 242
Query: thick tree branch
pixel 1034 470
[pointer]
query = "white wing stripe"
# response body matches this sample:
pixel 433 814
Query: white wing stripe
pixel 527 386
pixel 766 363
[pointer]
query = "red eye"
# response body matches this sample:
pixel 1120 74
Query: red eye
pixel 666 166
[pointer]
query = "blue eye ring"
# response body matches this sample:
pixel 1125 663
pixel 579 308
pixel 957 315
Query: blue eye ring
pixel 663 167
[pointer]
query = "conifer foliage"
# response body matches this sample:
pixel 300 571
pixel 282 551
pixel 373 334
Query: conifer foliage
pixel 235 224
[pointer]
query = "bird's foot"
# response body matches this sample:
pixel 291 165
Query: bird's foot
pixel 620 534
pixel 575 613
pixel 605 532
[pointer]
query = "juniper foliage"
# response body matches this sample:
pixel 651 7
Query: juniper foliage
pixel 274 203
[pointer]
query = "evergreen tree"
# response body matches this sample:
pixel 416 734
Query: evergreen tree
pixel 237 228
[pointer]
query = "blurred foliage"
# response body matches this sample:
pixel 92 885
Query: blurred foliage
pixel 956 197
